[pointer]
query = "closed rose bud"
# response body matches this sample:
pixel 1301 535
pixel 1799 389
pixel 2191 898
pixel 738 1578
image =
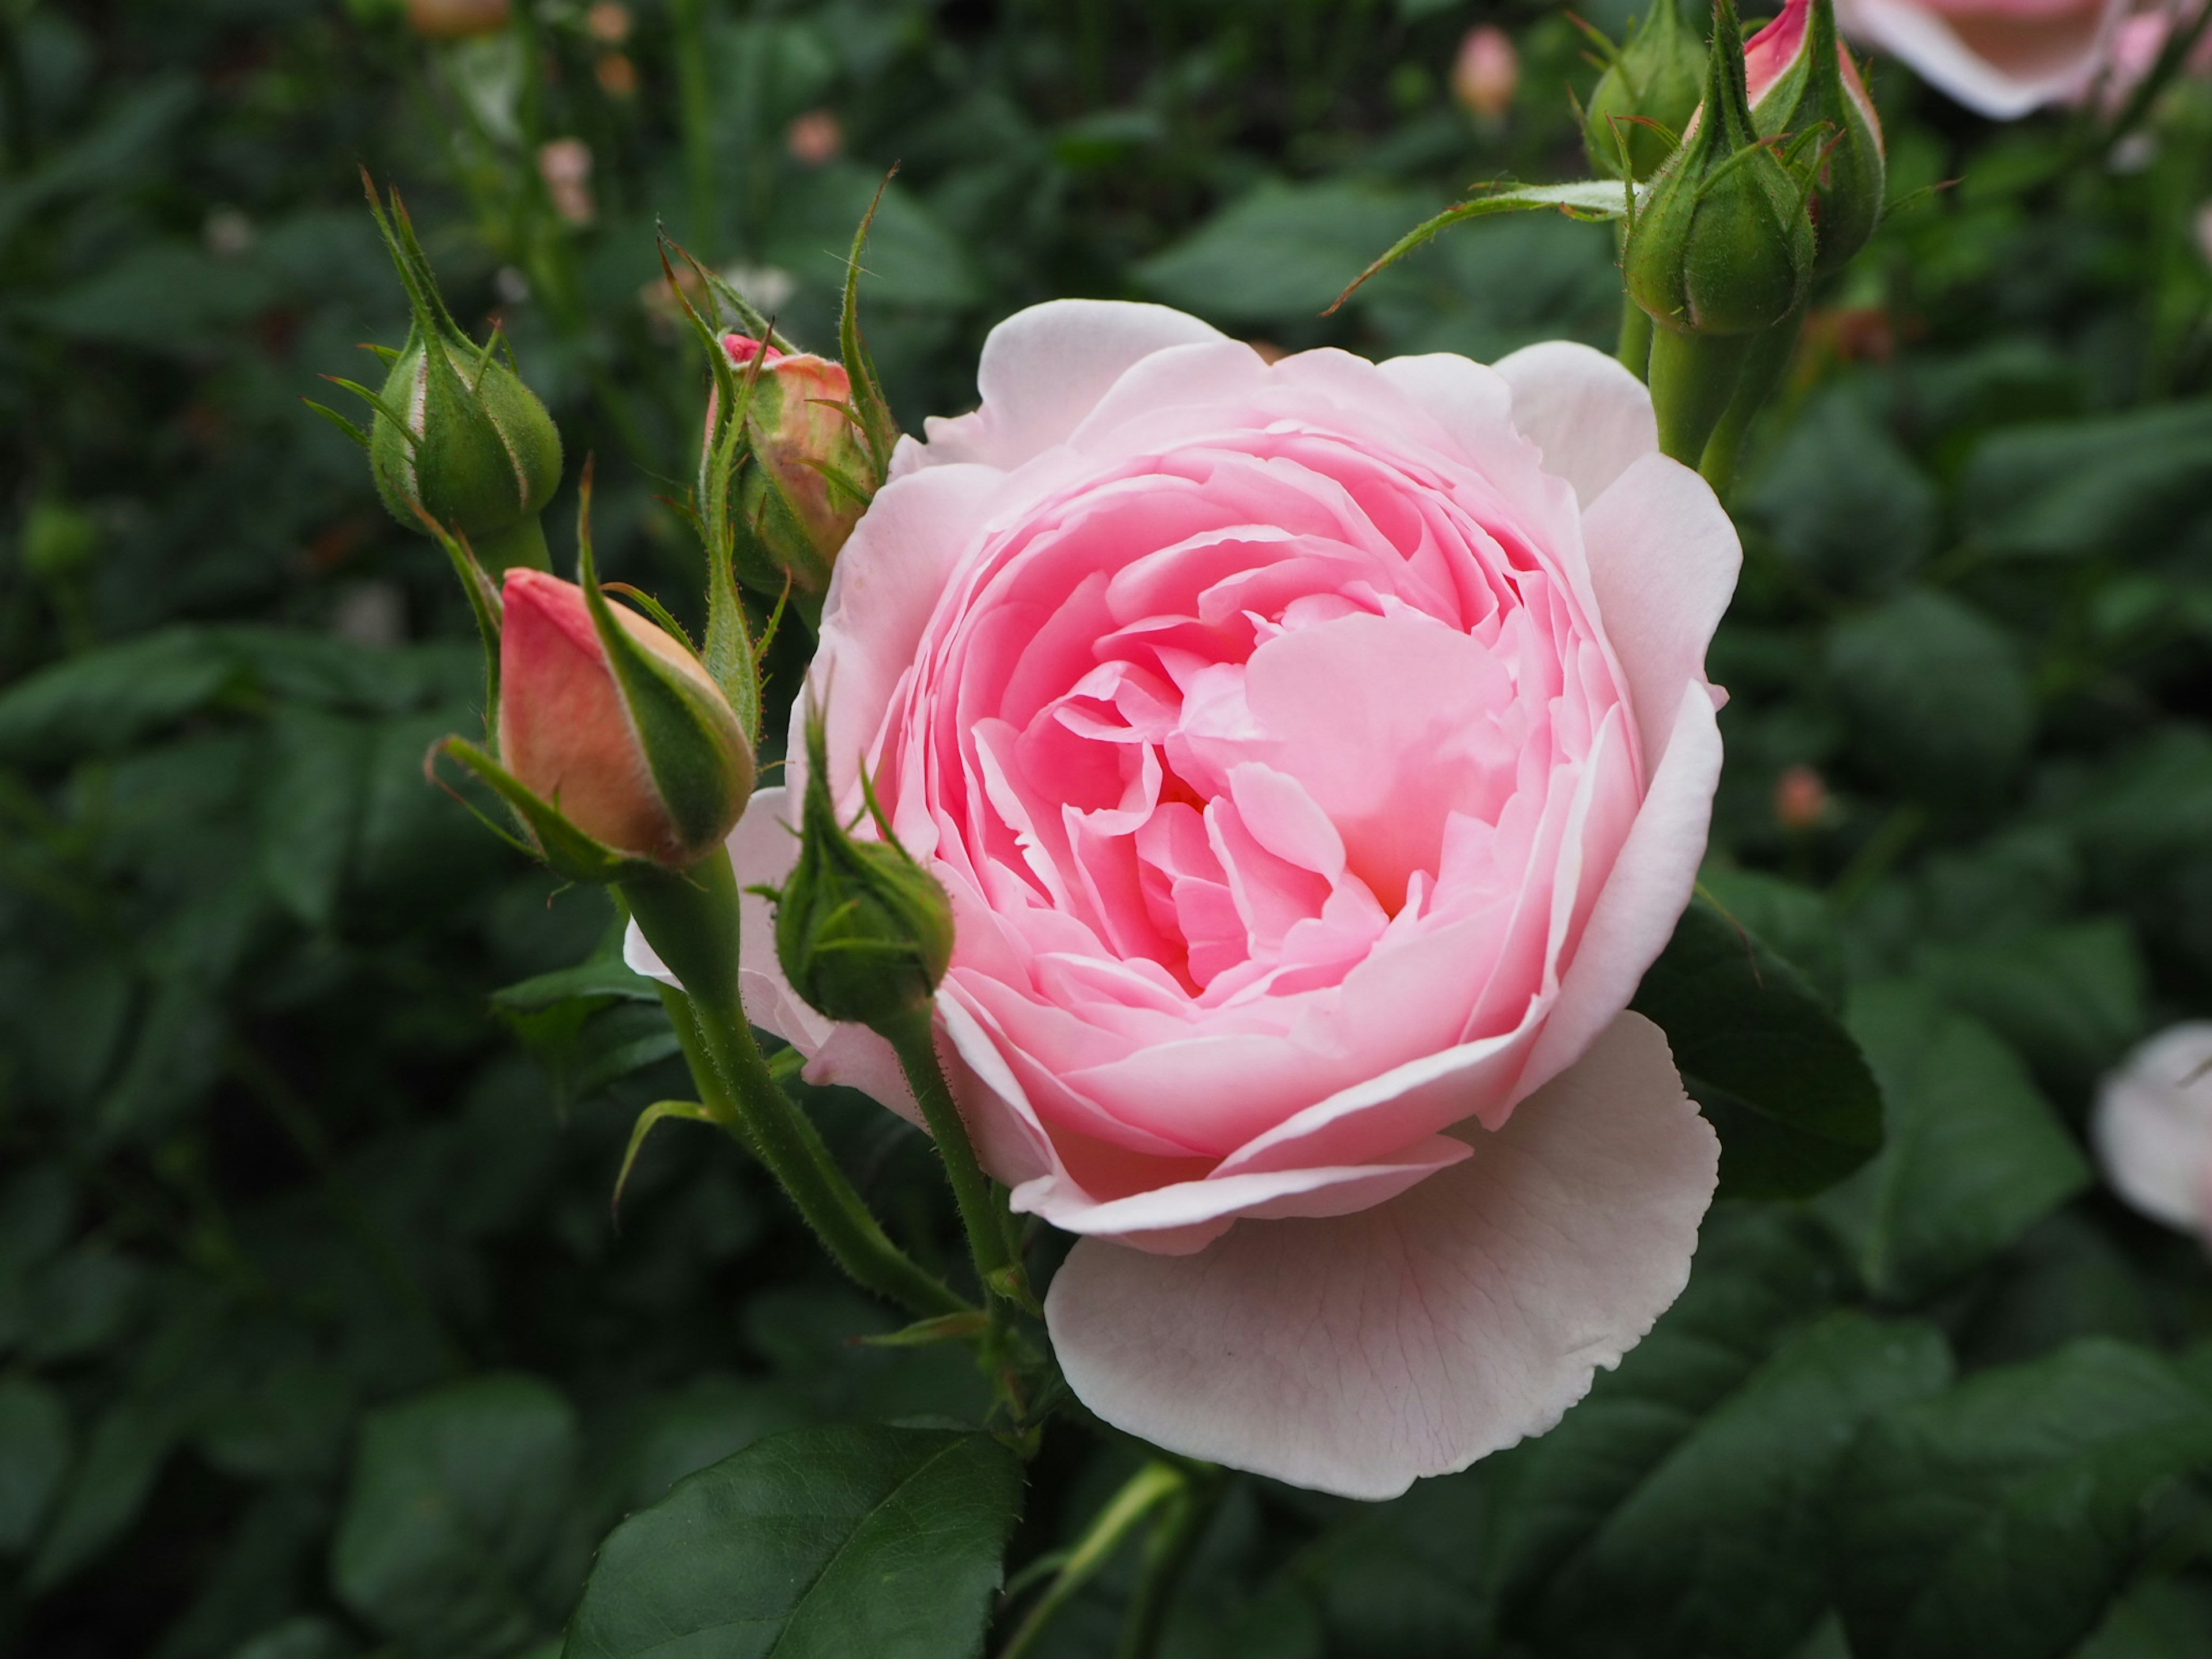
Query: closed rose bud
pixel 456 433
pixel 478 450
pixel 456 20
pixel 1800 80
pixel 811 475
pixel 1724 246
pixel 1486 72
pixel 1654 82
pixel 650 759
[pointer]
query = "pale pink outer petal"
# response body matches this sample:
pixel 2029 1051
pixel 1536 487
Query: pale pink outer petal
pixel 1042 370
pixel 1358 1353
pixel 1926 41
pixel 1663 558
pixel 2152 1128
pixel 1650 887
pixel 1588 414
pixel 887 580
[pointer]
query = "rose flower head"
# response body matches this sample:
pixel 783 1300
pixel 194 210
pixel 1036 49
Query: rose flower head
pixel 1999 57
pixel 1314 755
pixel 809 475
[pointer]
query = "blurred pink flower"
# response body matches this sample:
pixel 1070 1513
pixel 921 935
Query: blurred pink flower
pixel 565 165
pixel 1486 72
pixel 816 137
pixel 2000 58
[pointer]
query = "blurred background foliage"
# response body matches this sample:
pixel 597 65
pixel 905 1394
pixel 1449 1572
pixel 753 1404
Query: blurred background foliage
pixel 317 1337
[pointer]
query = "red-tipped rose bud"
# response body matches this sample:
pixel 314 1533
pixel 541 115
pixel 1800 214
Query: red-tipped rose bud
pixel 811 474
pixel 1486 72
pixel 1800 80
pixel 646 756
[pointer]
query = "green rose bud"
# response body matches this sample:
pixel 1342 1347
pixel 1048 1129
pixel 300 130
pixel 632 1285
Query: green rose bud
pixel 863 931
pixel 1655 76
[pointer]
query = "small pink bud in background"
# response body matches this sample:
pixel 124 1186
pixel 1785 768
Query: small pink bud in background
pixel 2205 232
pixel 1486 72
pixel 1801 800
pixel 816 137
pixel 566 733
pixel 456 20
pixel 616 74
pixel 608 21
pixel 565 165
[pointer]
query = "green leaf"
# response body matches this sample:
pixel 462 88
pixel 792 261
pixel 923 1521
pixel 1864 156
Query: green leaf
pixel 1974 1155
pixel 450 1539
pixel 312 806
pixel 2069 999
pixel 821 1543
pixel 2112 483
pixel 1843 500
pixel 1761 1272
pixel 1997 1519
pixel 602 976
pixel 1780 1079
pixel 34 1453
pixel 1793 921
pixel 1936 694
pixel 108 699
pixel 1719 1552
pixel 2158 1619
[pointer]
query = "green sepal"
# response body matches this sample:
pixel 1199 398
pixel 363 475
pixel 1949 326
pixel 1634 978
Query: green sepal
pixel 423 300
pixel 870 407
pixel 1587 198
pixel 484 602
pixel 375 401
pixel 359 434
pixel 924 1332
pixel 559 844
pixel 658 1112
pixel 729 656
pixel 704 774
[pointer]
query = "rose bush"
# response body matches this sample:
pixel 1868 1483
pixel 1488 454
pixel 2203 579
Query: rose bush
pixel 1315 755
pixel 1999 57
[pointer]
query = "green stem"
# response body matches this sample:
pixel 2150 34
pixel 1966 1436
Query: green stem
pixel 520 544
pixel 1150 1486
pixel 690 918
pixel 1764 367
pixel 2179 44
pixel 1167 1558
pixel 912 1034
pixel 694 95
pixel 1635 349
pixel 1692 377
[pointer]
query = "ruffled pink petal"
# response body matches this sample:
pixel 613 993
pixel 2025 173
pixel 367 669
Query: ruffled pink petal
pixel 1042 372
pixel 1360 1353
pixel 1589 416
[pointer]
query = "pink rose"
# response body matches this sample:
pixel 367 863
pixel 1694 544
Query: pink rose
pixel 1317 755
pixel 2000 58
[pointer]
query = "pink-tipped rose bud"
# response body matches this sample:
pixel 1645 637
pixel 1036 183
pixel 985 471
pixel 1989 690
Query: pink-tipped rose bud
pixel 662 779
pixel 1800 81
pixel 816 138
pixel 811 474
pixel 1486 72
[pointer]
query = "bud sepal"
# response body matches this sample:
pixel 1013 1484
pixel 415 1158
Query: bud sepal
pixel 863 931
pixel 455 435
pixel 1645 97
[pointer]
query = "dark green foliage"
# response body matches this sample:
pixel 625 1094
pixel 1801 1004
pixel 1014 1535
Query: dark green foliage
pixel 316 1338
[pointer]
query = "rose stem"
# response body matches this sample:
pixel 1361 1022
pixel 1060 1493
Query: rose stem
pixel 691 919
pixel 1150 1486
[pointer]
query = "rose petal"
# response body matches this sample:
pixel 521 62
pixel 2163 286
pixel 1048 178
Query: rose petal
pixel 1360 1353
pixel 2153 1126
pixel 1588 414
pixel 2011 67
pixel 1043 369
